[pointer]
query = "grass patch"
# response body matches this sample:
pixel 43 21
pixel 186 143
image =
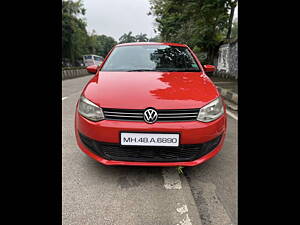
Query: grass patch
pixel 180 170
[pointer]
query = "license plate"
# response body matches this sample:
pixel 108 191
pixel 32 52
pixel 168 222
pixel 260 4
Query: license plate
pixel 149 139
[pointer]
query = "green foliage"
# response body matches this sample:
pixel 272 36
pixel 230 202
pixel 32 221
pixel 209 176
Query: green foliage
pixel 74 35
pixel 180 170
pixel 76 42
pixel 141 37
pixel 202 24
pixel 202 56
pixel 157 38
pixel 102 44
pixel 127 38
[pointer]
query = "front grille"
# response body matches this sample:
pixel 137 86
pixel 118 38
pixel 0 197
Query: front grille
pixel 167 115
pixel 183 153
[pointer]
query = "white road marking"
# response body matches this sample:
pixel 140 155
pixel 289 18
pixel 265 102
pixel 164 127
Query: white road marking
pixel 185 221
pixel 172 181
pixel 171 178
pixel 182 209
pixel 232 115
pixel 70 95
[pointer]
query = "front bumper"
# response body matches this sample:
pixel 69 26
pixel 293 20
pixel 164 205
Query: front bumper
pixel 191 133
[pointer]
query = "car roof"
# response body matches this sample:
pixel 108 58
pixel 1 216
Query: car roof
pixel 151 43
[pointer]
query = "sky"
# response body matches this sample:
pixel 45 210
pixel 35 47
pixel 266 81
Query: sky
pixel 116 17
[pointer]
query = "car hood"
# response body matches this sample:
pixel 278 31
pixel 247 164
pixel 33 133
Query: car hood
pixel 160 90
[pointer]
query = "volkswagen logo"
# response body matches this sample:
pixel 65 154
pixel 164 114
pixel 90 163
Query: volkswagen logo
pixel 150 115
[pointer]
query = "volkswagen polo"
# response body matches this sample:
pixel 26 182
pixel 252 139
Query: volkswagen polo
pixel 150 104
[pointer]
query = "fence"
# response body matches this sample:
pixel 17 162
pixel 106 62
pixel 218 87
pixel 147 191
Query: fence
pixel 69 74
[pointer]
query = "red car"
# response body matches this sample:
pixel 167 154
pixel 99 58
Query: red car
pixel 150 104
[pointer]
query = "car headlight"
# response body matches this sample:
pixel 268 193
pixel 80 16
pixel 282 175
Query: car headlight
pixel 211 111
pixel 90 110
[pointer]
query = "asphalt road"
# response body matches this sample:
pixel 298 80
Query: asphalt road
pixel 98 194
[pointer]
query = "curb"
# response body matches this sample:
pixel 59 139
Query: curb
pixel 231 105
pixel 69 74
pixel 188 195
pixel 229 95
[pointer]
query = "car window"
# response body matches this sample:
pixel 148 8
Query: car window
pixel 151 58
pixel 88 57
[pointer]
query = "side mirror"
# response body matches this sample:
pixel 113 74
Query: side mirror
pixel 209 68
pixel 92 69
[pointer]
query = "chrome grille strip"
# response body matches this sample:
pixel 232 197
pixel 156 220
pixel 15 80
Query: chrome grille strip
pixel 163 115
pixel 123 113
pixel 130 116
pixel 172 117
pixel 176 114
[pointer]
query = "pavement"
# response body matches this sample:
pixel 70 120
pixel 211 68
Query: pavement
pixel 96 194
pixel 228 89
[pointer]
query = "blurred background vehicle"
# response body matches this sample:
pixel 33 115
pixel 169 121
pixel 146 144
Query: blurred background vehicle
pixel 89 60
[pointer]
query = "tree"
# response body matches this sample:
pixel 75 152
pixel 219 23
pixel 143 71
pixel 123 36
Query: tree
pixel 92 42
pixel 74 34
pixel 202 24
pixel 126 38
pixel 141 37
pixel 104 44
pixel 76 42
pixel 157 38
pixel 232 5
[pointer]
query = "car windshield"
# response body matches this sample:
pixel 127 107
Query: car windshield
pixel 151 58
